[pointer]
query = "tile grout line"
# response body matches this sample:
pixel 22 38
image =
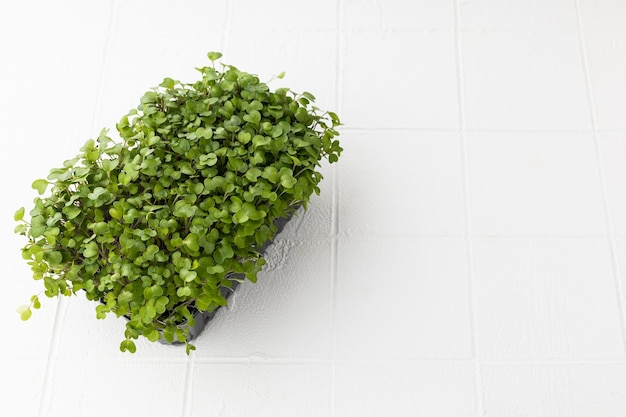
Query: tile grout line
pixel 472 237
pixel 187 391
pixel 600 166
pixel 478 389
pixel 288 361
pixel 111 28
pixel 377 129
pixel 301 361
pixel 335 213
pixel 190 366
pixel 478 30
pixel 555 361
pixel 46 393
pixel 227 26
pixel 333 330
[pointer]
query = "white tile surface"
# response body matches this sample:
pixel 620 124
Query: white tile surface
pixel 508 15
pixel 21 394
pixel 545 299
pixel 534 184
pixel 606 52
pixel 602 14
pixel 428 389
pixel 282 16
pixel 401 183
pixel 524 80
pixel 398 14
pixel 458 261
pixel 423 93
pixel 265 390
pixel 420 310
pixel 103 388
pixel 530 390
pixel 51 76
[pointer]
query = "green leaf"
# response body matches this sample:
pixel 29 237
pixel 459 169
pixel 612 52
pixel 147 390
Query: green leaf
pixel 101 311
pixel 253 174
pixel 25 315
pixel 128 345
pixel 168 83
pixel 191 242
pixel 148 97
pixel 152 335
pixel 160 304
pixel 53 257
pixel 168 333
pixel 334 118
pixel 40 186
pixel 100 228
pixel 124 178
pixel 20 228
pixel 91 250
pixel 209 73
pixel 110 164
pixel 214 56
pixel 183 292
pixel 270 173
pixel 225 252
pixel 277 131
pixel 209 159
pixel 244 137
pixel 183 209
pixel 309 95
pixel 148 293
pixel 255 105
pixel 97 193
pixel 188 276
pixel 227 85
pixel 125 297
pixel 89 285
pixel 61 174
pixel 71 212
pixel 116 213
pixel 253 117
pixel 19 214
pixel 287 181
pixel 157 290
pixel 70 162
pixel 24 311
pixel 205 133
pixel 302 115
pixel 35 300
pixel 260 140
pixel 241 217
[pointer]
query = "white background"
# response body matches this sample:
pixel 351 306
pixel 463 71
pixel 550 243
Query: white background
pixel 467 256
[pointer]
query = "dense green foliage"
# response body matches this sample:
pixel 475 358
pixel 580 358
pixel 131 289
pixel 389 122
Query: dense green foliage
pixel 153 226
